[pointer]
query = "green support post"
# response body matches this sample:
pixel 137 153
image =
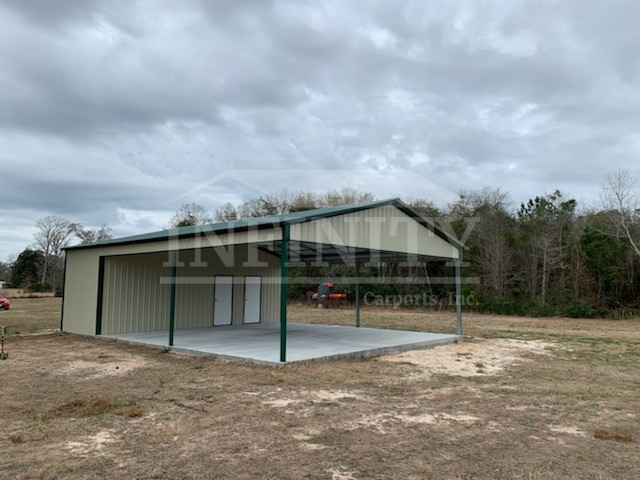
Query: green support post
pixel 458 295
pixel 357 293
pixel 100 296
pixel 172 297
pixel 284 258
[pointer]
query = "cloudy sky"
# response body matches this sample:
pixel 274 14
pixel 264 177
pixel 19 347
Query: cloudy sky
pixel 117 112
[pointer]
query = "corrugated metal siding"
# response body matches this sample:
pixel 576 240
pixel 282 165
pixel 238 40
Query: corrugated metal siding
pixel 381 228
pixel 80 292
pixel 135 299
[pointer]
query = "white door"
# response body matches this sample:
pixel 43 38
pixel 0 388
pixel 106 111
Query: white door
pixel 252 286
pixel 223 296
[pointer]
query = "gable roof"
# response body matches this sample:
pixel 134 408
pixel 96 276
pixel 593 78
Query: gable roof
pixel 270 221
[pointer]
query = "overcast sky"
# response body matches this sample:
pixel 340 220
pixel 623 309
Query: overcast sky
pixel 117 112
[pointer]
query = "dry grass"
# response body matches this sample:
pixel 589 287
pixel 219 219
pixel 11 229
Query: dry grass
pixel 176 416
pixel 31 315
pixel 12 293
pixel 16 438
pixel 94 405
pixel 618 435
pixel 477 325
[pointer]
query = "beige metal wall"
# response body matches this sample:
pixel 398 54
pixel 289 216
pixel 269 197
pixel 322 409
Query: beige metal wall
pixel 80 292
pixel 195 289
pixel 135 298
pixel 380 228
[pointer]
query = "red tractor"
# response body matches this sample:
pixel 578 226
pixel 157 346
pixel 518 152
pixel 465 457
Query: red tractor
pixel 326 297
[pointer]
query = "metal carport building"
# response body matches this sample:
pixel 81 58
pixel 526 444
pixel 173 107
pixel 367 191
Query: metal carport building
pixel 227 282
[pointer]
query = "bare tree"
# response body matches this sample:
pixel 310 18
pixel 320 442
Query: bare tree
pixel 484 214
pixel 303 201
pixel 344 196
pixel 92 235
pixel 5 271
pixel 621 198
pixel 190 214
pixel 226 213
pixel 52 236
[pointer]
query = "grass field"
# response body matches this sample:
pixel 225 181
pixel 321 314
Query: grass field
pixel 521 398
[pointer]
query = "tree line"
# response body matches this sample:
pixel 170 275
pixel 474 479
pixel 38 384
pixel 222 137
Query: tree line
pixel 547 256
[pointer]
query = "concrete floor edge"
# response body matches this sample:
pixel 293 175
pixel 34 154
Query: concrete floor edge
pixel 444 339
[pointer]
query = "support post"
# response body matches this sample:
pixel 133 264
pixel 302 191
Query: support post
pixel 284 258
pixel 172 297
pixel 458 294
pixel 357 293
pixel 100 296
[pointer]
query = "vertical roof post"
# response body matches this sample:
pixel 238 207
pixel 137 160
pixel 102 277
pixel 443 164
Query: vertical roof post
pixel 172 297
pixel 284 258
pixel 458 294
pixel 100 296
pixel 357 293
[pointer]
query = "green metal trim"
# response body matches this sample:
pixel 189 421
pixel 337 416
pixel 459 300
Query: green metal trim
pixel 172 296
pixel 357 293
pixel 458 294
pixel 284 257
pixel 100 296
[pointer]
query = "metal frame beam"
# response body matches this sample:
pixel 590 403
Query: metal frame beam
pixel 357 293
pixel 172 296
pixel 458 262
pixel 100 295
pixel 284 258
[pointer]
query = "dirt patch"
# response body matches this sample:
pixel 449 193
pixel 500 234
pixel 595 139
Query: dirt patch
pixel 91 444
pixel 306 440
pixel 381 422
pixel 568 430
pixel 431 419
pixel 377 422
pixel 102 367
pixel 341 474
pixel 472 358
pixel 313 396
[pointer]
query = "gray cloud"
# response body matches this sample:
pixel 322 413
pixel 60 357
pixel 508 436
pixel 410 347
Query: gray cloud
pixel 109 110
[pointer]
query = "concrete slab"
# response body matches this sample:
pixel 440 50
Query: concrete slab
pixel 261 343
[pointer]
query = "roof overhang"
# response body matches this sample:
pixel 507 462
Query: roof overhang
pixel 328 251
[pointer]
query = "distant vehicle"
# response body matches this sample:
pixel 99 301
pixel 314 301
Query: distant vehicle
pixel 4 303
pixel 325 296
